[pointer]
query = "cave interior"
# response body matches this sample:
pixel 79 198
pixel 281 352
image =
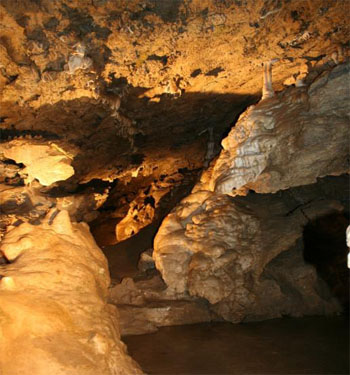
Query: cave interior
pixel 174 187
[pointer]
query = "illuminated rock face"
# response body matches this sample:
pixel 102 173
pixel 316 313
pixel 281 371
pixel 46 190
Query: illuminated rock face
pixel 54 314
pixel 289 140
pixel 244 256
pixel 137 87
pixel 137 92
pixel 235 252
pixel 45 162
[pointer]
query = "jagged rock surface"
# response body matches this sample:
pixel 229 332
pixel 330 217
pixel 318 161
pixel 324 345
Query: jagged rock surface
pixel 135 88
pixel 218 248
pixel 288 140
pixel 143 208
pixel 234 252
pixel 54 314
pixel 22 204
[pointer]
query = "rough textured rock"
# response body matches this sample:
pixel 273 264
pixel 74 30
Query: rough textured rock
pixel 219 248
pixel 146 261
pixel 280 142
pixel 22 204
pixel 145 206
pixel 234 252
pixel 82 207
pixel 117 107
pixel 47 163
pixel 54 314
pixel 148 88
pixel 144 304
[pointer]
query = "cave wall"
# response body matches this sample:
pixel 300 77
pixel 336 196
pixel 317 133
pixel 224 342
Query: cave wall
pixel 244 254
pixel 111 110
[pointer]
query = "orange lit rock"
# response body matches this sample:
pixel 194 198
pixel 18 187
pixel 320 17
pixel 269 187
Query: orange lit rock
pixel 54 314
pixel 45 162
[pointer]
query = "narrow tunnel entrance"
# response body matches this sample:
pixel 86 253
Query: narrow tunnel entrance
pixel 325 248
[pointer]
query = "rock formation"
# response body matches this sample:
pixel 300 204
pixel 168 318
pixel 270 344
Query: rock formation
pixel 110 113
pixel 280 142
pixel 54 314
pixel 232 251
pixel 128 90
pixel 146 304
pixel 45 162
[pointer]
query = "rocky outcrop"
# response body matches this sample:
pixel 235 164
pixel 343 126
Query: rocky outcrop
pixel 221 248
pixel 234 252
pixel 145 304
pixel 288 140
pixel 47 163
pixel 54 314
pixel 137 95
pixel 145 207
pixel 22 204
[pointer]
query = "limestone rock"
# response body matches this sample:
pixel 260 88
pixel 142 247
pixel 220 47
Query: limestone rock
pixel 178 68
pixel 138 320
pixel 55 318
pixel 220 248
pixel 146 261
pixel 232 251
pixel 82 207
pixel 8 171
pixel 288 140
pixel 44 162
pixel 22 204
pixel 146 304
pixel 143 208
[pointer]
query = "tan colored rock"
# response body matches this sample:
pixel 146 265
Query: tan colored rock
pixel 82 207
pixel 201 60
pixel 45 162
pixel 138 320
pixel 142 210
pixel 54 314
pixel 288 140
pixel 146 304
pixel 146 261
pixel 22 204
pixel 220 248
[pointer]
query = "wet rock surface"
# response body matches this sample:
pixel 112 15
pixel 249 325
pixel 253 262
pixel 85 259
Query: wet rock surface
pixel 145 304
pixel 224 249
pixel 109 113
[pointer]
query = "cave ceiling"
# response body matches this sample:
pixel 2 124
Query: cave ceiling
pixel 130 89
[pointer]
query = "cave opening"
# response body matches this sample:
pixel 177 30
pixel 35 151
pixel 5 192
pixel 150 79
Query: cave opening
pixel 325 248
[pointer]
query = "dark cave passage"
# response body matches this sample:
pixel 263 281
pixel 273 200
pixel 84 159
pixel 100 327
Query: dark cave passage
pixel 325 248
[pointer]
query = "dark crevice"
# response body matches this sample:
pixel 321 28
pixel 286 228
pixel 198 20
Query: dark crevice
pixel 325 248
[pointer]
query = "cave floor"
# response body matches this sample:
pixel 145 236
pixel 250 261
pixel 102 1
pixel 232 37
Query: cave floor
pixel 313 345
